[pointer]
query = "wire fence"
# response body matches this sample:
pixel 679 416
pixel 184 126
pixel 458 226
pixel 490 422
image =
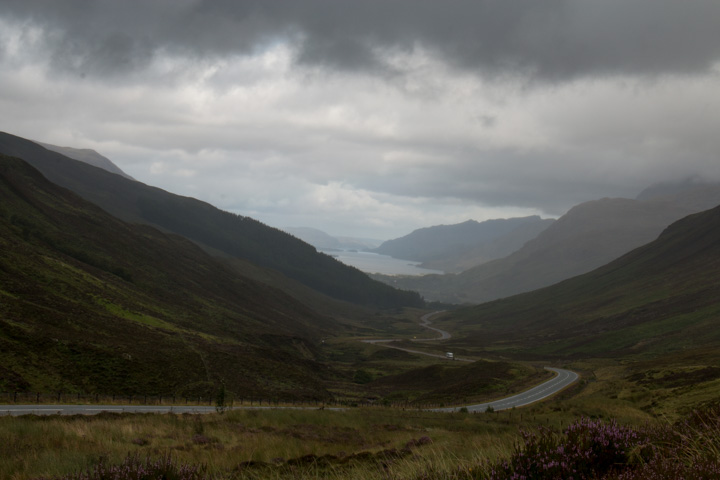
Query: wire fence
pixel 62 398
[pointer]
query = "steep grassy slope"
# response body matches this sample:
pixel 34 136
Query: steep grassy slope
pixel 238 236
pixel 90 303
pixel 658 299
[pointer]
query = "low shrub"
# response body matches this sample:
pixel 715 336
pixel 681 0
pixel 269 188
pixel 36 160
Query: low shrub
pixel 593 449
pixel 586 449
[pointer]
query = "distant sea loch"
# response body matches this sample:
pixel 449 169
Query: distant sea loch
pixel 374 263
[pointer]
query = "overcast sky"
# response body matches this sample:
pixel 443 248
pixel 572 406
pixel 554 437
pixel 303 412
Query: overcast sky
pixel 375 117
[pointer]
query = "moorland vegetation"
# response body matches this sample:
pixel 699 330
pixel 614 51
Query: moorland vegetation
pixel 119 288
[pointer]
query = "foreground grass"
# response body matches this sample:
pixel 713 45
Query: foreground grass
pixel 350 445
pixel 553 440
pixel 357 443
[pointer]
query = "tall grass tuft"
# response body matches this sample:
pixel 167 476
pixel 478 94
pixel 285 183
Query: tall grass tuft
pixel 690 449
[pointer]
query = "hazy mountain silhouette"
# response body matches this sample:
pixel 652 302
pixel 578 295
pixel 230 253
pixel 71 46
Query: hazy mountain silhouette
pixel 88 156
pixel 93 304
pixel 658 298
pixel 588 236
pixel 454 248
pixel 234 235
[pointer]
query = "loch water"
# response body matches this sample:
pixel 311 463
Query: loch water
pixel 369 262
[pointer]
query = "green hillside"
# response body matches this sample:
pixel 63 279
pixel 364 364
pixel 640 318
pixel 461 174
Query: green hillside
pixel 92 304
pixel 660 298
pixel 234 235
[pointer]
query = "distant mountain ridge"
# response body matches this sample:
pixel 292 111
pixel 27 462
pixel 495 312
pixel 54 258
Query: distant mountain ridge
pixel 692 193
pixel 454 248
pixel 661 297
pixel 588 236
pixel 88 156
pixel 206 225
pixel 323 241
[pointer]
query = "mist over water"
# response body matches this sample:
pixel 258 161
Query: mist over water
pixel 375 263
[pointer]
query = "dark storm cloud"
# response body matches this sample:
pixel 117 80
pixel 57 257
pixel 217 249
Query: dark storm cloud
pixel 440 108
pixel 548 40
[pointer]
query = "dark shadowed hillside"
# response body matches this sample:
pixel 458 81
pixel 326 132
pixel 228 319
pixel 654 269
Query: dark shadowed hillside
pixel 235 235
pixel 92 304
pixel 587 237
pixel 662 297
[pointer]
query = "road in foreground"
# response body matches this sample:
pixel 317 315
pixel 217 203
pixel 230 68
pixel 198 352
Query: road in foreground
pixel 563 379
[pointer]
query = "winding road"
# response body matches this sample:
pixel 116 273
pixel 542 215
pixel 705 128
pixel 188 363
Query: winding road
pixel 424 322
pixel 560 381
pixel 563 379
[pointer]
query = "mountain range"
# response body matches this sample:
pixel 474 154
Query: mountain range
pixel 455 248
pixel 220 232
pixel 659 298
pixel 142 291
pixel 94 304
pixel 588 236
pixel 88 156
pixel 324 241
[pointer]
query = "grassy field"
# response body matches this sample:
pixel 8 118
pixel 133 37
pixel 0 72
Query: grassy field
pixel 354 443
pixel 368 443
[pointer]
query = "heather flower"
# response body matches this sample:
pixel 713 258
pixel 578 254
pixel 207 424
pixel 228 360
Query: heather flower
pixel 585 449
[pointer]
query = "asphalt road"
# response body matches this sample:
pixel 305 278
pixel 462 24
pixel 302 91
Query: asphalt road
pixel 425 322
pixel 563 379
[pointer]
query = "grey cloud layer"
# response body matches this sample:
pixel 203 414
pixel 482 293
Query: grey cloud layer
pixel 402 113
pixel 550 40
